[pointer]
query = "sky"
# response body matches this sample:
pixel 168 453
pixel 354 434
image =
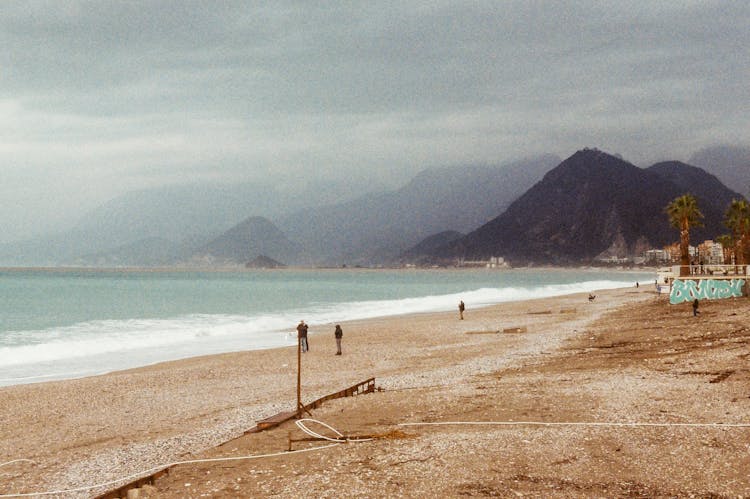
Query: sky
pixel 101 98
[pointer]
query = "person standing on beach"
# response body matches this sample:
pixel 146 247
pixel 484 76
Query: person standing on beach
pixel 695 307
pixel 461 308
pixel 338 334
pixel 302 335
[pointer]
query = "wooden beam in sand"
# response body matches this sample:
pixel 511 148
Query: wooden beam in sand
pixel 132 489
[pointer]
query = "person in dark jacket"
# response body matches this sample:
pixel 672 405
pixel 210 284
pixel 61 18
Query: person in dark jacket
pixel 338 334
pixel 302 335
pixel 461 308
pixel 695 307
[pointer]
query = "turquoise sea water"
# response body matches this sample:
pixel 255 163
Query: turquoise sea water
pixel 63 324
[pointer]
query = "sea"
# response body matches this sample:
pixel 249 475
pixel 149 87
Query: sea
pixel 65 323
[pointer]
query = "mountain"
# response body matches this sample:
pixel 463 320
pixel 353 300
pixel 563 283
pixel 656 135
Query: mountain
pixel 246 241
pixel 695 180
pixel 263 262
pixel 730 164
pixel 376 228
pixel 429 245
pixel 593 204
pixel 197 211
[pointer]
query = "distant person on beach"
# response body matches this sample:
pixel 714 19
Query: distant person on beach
pixel 695 307
pixel 338 334
pixel 592 297
pixel 637 284
pixel 461 308
pixel 302 335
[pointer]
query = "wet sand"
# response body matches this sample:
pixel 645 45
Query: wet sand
pixel 626 357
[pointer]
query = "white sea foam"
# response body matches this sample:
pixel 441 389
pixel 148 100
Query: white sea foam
pixel 100 346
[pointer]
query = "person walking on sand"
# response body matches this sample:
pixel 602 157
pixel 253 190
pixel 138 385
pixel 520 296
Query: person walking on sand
pixel 302 335
pixel 338 334
pixel 461 308
pixel 695 307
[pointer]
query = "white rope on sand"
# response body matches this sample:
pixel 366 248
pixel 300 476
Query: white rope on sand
pixel 18 461
pixel 161 467
pixel 336 441
pixel 578 423
pixel 342 439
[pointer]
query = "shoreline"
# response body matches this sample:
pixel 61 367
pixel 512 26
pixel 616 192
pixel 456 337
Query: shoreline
pixel 224 269
pixel 69 366
pixel 152 414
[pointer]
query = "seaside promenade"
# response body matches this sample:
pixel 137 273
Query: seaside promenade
pixel 624 395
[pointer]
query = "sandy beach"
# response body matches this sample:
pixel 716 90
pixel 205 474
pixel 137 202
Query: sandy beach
pixel 623 396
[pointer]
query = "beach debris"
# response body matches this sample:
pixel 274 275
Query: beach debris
pixel 518 329
pixel 495 331
pixel 721 377
pixel 539 312
pixel 567 310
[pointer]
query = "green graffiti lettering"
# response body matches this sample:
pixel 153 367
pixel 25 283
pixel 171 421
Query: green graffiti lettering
pixel 679 292
pixel 705 289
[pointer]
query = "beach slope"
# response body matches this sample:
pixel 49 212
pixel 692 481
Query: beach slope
pixel 621 396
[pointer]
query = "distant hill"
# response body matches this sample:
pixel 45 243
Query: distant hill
pixel 263 262
pixel 592 204
pixel 175 214
pixel 246 241
pixel 730 164
pixel 377 228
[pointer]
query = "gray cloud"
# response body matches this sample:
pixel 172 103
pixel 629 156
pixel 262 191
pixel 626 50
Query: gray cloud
pixel 97 98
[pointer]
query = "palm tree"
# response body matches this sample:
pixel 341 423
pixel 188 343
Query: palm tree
pixel 683 213
pixel 737 219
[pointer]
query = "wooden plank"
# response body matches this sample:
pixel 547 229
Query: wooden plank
pixel 276 419
pixel 367 386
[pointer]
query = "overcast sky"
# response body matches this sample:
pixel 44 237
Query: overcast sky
pixel 99 98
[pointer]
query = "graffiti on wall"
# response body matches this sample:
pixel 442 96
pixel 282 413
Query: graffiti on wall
pixel 705 289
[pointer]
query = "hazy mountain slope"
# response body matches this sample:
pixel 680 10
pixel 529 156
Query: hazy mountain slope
pixel 246 241
pixel 148 252
pixel 429 245
pixel 730 164
pixel 377 228
pixel 589 203
pixel 173 213
pixel 695 180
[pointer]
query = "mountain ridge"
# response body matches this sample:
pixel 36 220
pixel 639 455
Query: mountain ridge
pixel 593 202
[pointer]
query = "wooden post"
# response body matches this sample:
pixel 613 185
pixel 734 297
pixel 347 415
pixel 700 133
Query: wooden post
pixel 299 376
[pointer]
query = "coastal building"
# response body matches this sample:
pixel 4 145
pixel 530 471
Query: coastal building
pixel 674 252
pixel 657 256
pixel 497 262
pixel 710 252
pixel 494 262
